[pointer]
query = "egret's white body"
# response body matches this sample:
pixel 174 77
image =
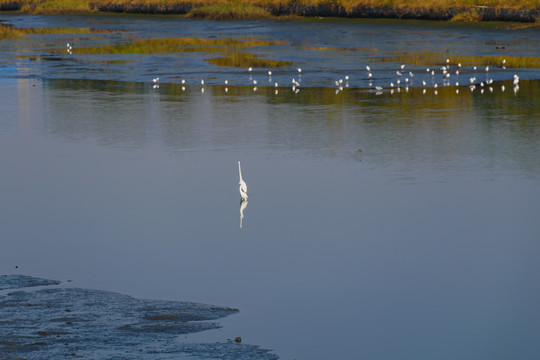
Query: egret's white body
pixel 242 183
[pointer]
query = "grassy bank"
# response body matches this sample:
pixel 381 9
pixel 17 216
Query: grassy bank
pixel 457 10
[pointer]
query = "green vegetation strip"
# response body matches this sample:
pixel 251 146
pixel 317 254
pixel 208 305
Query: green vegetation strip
pixel 457 10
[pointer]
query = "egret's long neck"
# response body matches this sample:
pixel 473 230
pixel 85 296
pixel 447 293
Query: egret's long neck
pixel 239 171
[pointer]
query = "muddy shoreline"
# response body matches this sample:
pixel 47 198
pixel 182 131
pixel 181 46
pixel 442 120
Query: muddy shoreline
pixel 322 10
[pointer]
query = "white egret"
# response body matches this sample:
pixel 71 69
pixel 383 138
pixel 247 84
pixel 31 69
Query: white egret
pixel 242 183
pixel 226 82
pixel 402 66
pixel 487 68
pixel 269 73
pixel 368 68
pixel 398 73
pixel 299 70
pixel 156 80
pixel 250 69
pixel 202 82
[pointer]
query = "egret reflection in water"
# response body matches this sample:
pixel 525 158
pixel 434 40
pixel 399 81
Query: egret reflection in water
pixel 243 205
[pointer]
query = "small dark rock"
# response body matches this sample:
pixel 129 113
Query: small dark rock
pixel 238 339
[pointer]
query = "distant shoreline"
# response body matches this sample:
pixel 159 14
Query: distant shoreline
pixel 258 9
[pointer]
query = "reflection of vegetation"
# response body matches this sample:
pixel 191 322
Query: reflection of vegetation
pixel 10 32
pixel 230 11
pixel 242 59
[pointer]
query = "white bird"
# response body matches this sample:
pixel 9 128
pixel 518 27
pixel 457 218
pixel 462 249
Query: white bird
pixel 183 81
pixel 423 83
pixel 487 68
pixel 254 82
pixel 226 82
pixel 402 66
pixel 250 69
pixel 269 73
pixel 368 68
pixel 276 84
pixel 346 77
pixel 242 183
pixel 398 73
pixel 202 82
pixel 156 80
pixel 299 70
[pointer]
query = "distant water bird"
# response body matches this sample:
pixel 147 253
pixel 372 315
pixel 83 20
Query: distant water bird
pixel 398 73
pixel 369 75
pixel 250 69
pixel 423 83
pixel 202 82
pixel 346 77
pixel 502 88
pixel 402 66
pixel 378 88
pixel 226 82
pixel 299 70
pixel 411 74
pixel 183 81
pixel 474 68
pixel 156 80
pixel 254 82
pixel 459 65
pixel 276 84
pixel 242 183
pixel 368 68
pixel 487 68
pixel 447 61
pixel 504 61
pixel 269 73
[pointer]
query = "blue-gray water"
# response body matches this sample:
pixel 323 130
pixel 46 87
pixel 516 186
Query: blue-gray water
pixel 389 226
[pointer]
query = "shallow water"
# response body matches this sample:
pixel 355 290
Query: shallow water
pixel 403 224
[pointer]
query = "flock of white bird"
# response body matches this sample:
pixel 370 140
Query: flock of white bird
pixel 442 75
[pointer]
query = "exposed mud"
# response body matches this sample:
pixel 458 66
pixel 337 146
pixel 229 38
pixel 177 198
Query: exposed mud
pixel 56 323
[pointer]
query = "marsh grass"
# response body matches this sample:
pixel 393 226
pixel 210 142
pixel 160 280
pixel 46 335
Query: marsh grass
pixel 229 11
pixel 243 59
pixel 260 9
pixel 471 15
pixel 169 45
pixel 10 32
pixel 433 59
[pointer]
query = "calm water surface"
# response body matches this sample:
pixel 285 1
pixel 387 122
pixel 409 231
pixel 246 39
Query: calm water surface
pixel 387 226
